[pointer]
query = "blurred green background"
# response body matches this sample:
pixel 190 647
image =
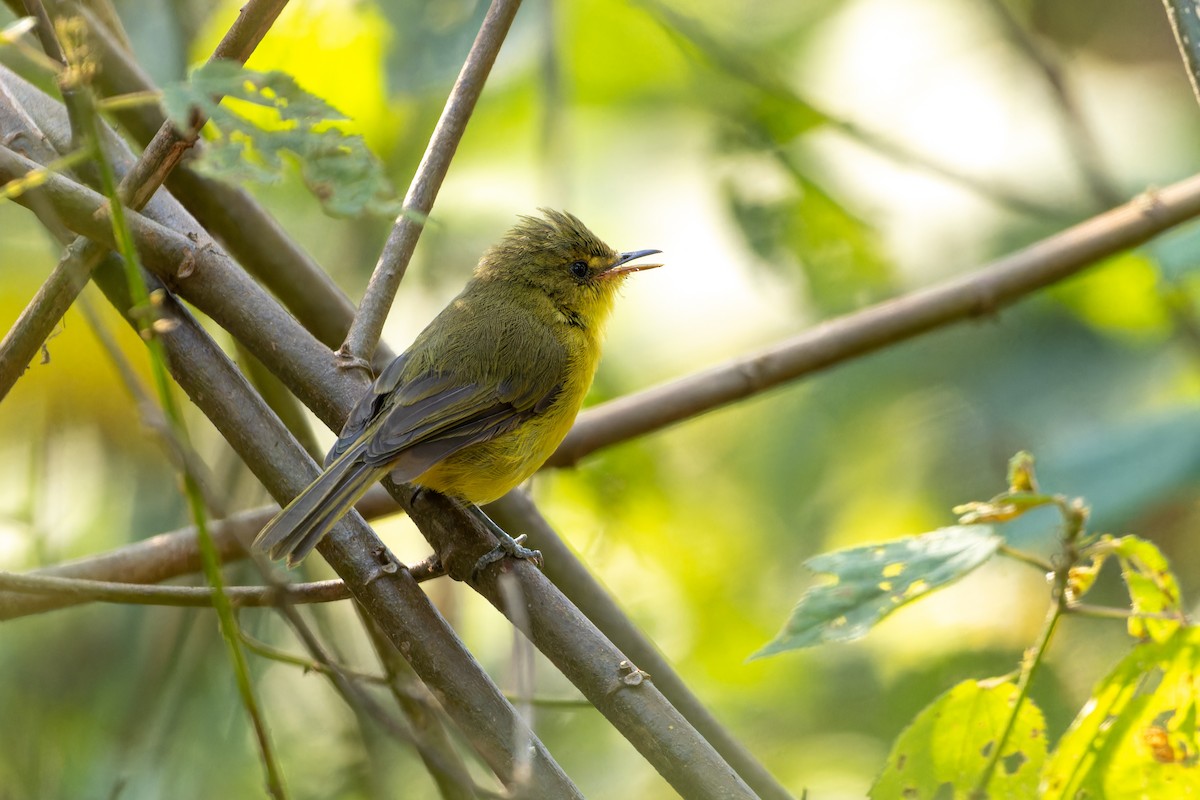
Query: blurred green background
pixel 761 146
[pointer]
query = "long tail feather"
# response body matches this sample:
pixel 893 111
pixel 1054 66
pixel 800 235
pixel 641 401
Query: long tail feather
pixel 295 530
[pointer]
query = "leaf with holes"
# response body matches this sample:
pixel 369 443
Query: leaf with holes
pixel 1152 586
pixel 875 580
pixel 282 123
pixel 945 750
pixel 1137 734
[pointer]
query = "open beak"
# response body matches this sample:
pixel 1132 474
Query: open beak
pixel 622 266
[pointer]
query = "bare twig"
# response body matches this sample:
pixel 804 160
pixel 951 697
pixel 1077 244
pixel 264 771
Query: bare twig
pixel 636 708
pixel 454 772
pixel 516 512
pixel 1081 144
pixel 375 578
pixel 80 590
pixel 422 713
pixel 170 555
pixel 980 293
pixel 252 236
pixel 185 458
pixel 745 66
pixel 136 188
pixel 1185 22
pixel 393 261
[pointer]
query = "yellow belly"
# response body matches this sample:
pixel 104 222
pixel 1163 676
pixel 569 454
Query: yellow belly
pixel 486 471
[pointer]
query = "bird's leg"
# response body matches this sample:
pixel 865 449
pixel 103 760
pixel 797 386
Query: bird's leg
pixel 508 546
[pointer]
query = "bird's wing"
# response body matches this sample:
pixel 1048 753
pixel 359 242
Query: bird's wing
pixel 412 421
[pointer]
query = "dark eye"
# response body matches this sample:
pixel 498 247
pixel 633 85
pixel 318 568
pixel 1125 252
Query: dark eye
pixel 579 269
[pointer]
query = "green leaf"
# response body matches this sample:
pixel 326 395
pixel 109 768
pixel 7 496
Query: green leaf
pixel 837 253
pixel 875 580
pixel 337 167
pixel 1137 735
pixel 1152 586
pixel 944 751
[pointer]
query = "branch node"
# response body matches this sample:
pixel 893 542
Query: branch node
pixel 347 360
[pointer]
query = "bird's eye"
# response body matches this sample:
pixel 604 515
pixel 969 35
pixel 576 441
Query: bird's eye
pixel 579 269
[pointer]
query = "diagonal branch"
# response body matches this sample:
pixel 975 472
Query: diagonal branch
pixel 167 555
pixel 81 590
pixel 661 734
pixel 979 293
pixel 1082 146
pixel 55 296
pixel 402 241
pixel 377 581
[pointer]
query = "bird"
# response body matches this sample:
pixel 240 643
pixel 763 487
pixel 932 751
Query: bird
pixel 485 393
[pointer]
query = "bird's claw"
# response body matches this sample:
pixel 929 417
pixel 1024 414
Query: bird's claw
pixel 508 546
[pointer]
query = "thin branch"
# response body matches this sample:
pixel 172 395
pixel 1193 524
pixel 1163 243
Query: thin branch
pixel 1108 612
pixel 1038 563
pixel 51 302
pixel 308 664
pixel 393 261
pixel 377 580
pixel 421 711
pixel 184 458
pixel 1081 143
pixel 745 65
pixel 585 656
pixel 171 555
pixel 80 590
pixel 980 293
pixel 365 705
pixel 516 512
pixel 1185 22
pixel 206 276
pixel 251 235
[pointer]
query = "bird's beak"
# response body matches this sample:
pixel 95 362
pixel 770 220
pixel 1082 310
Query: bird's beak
pixel 622 266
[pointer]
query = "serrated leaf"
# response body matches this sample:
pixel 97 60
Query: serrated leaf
pixel 875 580
pixel 338 168
pixel 1137 735
pixel 1152 586
pixel 944 751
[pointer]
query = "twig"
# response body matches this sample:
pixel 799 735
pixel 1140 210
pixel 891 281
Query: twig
pixel 422 713
pixel 185 458
pixel 136 189
pixel 353 550
pixel 1040 564
pixel 211 281
pixel 1081 144
pixel 252 236
pixel 170 555
pixel 568 638
pixel 393 261
pixel 516 512
pixel 748 68
pixel 980 293
pixel 310 664
pixel 1185 22
pixel 81 590
pixel 364 704
pixel 1108 612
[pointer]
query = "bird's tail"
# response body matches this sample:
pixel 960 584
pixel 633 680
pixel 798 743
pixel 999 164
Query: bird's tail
pixel 295 530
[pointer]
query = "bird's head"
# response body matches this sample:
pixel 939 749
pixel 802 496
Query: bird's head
pixel 557 255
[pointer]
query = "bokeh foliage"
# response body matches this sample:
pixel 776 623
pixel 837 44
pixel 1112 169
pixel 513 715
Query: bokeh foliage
pixel 730 137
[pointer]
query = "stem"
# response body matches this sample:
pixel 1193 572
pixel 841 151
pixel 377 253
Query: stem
pixel 212 564
pixel 397 252
pixel 1032 662
pixel 1038 563
pixel 81 589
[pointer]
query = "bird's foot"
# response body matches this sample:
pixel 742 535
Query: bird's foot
pixel 508 546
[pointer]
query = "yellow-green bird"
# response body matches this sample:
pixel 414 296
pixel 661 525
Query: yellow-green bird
pixel 486 392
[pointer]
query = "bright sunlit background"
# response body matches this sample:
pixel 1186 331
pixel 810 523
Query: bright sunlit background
pixel 794 161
